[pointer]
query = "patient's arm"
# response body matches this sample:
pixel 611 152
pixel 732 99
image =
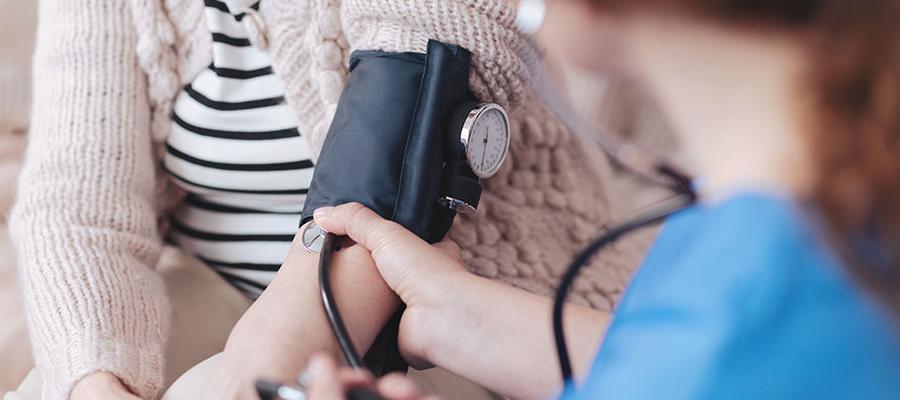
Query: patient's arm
pixel 287 323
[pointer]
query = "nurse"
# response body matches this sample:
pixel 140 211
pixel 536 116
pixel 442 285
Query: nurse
pixel 782 282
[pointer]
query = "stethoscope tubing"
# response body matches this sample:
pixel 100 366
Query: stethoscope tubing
pixel 329 246
pixel 650 217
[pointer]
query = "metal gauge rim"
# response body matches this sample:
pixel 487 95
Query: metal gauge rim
pixel 466 132
pixel 313 237
pixel 457 205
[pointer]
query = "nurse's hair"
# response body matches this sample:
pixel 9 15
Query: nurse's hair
pixel 854 77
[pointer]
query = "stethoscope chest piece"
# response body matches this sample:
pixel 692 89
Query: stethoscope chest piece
pixel 457 205
pixel 313 237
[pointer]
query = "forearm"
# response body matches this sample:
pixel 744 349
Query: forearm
pixel 287 323
pixel 501 337
pixel 84 224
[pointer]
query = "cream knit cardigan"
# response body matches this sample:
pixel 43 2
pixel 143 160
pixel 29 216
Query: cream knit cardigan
pixel 91 198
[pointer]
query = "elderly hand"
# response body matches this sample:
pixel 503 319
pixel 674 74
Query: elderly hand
pixel 327 382
pixel 101 385
pixel 420 273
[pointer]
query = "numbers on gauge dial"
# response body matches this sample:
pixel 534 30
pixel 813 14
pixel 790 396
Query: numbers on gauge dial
pixel 488 142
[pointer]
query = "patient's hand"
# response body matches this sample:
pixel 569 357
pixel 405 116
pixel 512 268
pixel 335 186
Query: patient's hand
pixel 101 385
pixel 327 382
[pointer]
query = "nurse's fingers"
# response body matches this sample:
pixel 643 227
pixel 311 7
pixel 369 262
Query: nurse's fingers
pixel 409 265
pixel 353 377
pixel 367 228
pixel 398 387
pixel 394 249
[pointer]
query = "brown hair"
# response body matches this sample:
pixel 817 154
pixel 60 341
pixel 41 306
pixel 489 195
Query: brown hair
pixel 854 77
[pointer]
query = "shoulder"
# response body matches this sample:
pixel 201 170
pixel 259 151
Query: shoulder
pixel 754 306
pixel 727 248
pixel 747 234
pixel 752 254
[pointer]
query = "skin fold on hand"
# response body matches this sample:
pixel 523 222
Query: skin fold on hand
pixel 101 385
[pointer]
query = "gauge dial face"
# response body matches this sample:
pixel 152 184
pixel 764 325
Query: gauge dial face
pixel 488 141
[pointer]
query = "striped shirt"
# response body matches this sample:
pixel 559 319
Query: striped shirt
pixel 234 146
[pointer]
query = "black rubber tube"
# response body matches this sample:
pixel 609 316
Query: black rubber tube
pixel 329 246
pixel 681 185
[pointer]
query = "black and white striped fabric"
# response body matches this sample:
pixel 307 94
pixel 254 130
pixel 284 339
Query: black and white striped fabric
pixel 234 146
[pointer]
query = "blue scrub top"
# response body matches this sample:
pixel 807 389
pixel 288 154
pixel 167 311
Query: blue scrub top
pixel 742 300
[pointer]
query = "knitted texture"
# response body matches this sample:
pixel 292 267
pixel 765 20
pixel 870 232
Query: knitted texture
pixel 552 195
pixel 87 219
pixel 484 27
pixel 84 221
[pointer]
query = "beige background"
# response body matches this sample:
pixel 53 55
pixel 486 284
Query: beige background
pixel 17 24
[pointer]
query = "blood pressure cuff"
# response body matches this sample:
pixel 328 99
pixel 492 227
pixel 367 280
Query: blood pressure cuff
pixel 396 124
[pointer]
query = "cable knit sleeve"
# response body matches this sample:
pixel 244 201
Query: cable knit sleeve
pixel 84 223
pixel 484 27
pixel 325 32
pixel 552 194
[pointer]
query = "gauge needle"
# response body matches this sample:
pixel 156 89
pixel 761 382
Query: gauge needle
pixel 485 146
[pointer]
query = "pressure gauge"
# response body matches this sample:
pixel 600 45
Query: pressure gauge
pixel 485 136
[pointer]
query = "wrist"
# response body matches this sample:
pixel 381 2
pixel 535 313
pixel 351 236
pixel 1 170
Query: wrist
pixel 97 384
pixel 432 323
pixel 431 290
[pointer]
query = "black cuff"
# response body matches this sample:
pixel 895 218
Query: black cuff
pixel 395 128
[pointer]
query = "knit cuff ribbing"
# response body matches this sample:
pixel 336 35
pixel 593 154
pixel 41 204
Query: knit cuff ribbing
pixel 138 366
pixel 91 310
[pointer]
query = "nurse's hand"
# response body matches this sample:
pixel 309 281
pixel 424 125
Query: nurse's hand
pixel 482 330
pixel 421 274
pixel 328 382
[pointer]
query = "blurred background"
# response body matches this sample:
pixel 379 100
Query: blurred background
pixel 17 26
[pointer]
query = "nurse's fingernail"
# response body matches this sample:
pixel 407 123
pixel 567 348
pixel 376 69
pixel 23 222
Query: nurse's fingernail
pixel 323 211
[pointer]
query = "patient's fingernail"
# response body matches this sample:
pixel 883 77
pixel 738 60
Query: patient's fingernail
pixel 323 211
pixel 305 379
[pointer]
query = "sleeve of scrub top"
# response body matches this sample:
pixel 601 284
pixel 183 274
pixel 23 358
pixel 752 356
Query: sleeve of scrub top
pixel 756 312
